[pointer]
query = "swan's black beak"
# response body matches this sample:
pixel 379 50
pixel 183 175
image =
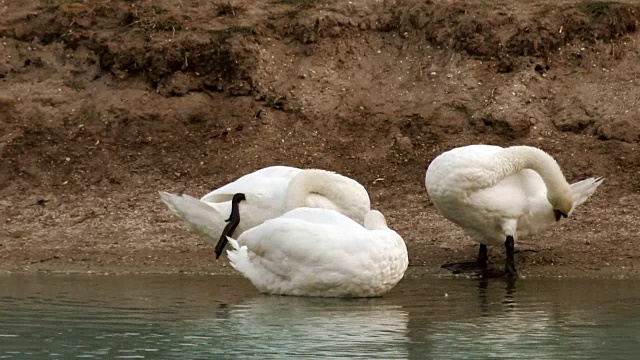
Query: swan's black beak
pixel 559 214
pixel 233 221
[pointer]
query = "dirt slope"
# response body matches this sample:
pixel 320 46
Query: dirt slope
pixel 103 103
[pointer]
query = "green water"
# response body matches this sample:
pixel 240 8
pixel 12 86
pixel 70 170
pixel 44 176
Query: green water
pixel 223 317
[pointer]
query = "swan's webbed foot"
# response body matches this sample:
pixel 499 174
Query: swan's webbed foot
pixel 464 267
pixel 233 221
pixel 509 267
pixel 480 265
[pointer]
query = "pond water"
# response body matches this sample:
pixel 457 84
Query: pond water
pixel 224 317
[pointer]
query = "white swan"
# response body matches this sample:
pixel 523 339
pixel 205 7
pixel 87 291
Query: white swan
pixel 268 193
pixel 499 194
pixel 320 252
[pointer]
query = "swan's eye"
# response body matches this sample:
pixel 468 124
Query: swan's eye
pixel 559 214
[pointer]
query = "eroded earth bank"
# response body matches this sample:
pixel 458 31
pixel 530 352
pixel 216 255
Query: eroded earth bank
pixel 103 103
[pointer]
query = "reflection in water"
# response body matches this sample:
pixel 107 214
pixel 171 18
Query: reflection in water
pixel 186 317
pixel 170 319
pixel 282 326
pixel 507 325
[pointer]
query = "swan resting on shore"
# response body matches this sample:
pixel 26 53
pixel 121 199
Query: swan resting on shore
pixel 497 195
pixel 321 252
pixel 266 194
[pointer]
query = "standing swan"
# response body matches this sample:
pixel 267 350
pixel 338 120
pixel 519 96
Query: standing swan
pixel 320 252
pixel 266 194
pixel 499 194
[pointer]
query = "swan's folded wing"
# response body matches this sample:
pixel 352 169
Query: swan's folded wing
pixel 516 195
pixel 268 182
pixel 323 216
pixel 502 201
pixel 462 169
pixel 289 246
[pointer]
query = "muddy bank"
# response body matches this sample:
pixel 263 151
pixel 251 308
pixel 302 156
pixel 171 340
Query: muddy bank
pixel 104 103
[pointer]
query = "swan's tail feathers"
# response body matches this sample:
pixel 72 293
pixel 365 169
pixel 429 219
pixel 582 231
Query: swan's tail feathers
pixel 238 256
pixel 582 190
pixel 201 217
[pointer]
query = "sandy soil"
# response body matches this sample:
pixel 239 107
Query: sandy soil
pixel 103 103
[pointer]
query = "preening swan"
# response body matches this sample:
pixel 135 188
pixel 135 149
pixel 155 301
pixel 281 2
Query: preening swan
pixel 500 194
pixel 320 252
pixel 266 194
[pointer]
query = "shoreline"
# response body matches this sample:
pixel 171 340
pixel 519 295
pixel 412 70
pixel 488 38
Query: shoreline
pixel 414 271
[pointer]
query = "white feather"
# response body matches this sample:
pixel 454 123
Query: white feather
pixel 493 192
pixel 270 192
pixel 320 252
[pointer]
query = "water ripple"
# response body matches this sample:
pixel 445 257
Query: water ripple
pixel 141 316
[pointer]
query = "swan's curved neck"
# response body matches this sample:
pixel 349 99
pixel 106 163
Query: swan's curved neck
pixel 525 157
pixel 325 189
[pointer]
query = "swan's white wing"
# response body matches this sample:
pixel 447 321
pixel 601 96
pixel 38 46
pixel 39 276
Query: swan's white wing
pixel 512 196
pixel 518 201
pixel 291 255
pixel 323 217
pixel 474 151
pixel 270 182
pixel 459 170
pixel 523 196
pixel 461 184
pixel 537 213
pixel 303 241
pixel 206 219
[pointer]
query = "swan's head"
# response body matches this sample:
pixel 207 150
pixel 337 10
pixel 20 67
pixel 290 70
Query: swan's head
pixel 562 205
pixel 374 220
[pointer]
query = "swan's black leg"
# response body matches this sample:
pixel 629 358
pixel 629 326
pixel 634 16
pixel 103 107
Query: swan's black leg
pixel 480 265
pixel 510 265
pixel 483 256
pixel 233 221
